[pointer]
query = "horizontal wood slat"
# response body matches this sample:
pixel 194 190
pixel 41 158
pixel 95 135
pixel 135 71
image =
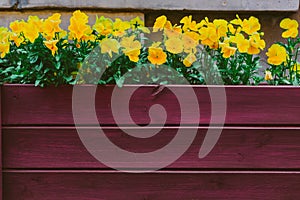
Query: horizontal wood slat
pixel 154 186
pixel 252 105
pixel 238 147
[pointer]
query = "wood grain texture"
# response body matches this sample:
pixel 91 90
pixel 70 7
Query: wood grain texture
pixel 246 105
pixel 91 185
pixel 0 143
pixel 238 147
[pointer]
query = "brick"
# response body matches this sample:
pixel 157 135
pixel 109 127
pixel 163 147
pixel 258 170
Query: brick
pixel 233 5
pixel 7 17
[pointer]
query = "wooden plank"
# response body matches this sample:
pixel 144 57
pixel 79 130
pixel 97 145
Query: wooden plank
pixel 88 185
pixel 238 147
pixel 0 143
pixel 246 105
pixel 216 5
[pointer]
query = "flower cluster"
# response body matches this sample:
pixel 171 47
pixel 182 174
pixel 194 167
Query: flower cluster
pixel 39 51
pixel 283 57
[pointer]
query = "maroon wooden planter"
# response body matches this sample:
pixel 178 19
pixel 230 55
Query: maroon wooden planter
pixel 256 157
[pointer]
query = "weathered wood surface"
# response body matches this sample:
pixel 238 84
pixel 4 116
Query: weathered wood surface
pixel 256 157
pixel 1 145
pixel 259 105
pixel 225 5
pixel 180 185
pixel 238 147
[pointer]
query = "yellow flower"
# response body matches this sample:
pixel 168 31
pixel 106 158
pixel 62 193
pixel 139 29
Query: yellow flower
pixel 208 36
pixel 226 49
pixel 268 75
pixel 276 54
pixel 256 44
pixel 291 27
pixel 188 24
pixel 159 23
pixel 190 41
pixel 18 40
pixel 109 45
pixel 131 48
pixel 221 27
pixel 237 21
pixel 130 43
pixel 119 27
pixel 30 32
pixel 51 44
pixel 157 56
pixel 36 22
pixel 174 45
pixel 51 26
pixel 78 25
pixel 172 31
pixel 251 25
pixel 4 48
pixel 17 26
pixel 296 68
pixel 189 60
pixel 242 43
pixel 133 54
pixel 4 34
pixel 103 25
pixel 136 23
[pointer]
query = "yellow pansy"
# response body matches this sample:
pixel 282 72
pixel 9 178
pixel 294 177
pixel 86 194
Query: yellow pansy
pixel 226 49
pixel 276 54
pixel 268 75
pixel 4 34
pixel 221 27
pixel 256 44
pixel 208 36
pixel 291 27
pixel 78 25
pixel 189 24
pixel 157 56
pixel 18 40
pixel 237 21
pixel 189 60
pixel 109 45
pixel 103 25
pixel 30 32
pixel 131 48
pixel 172 31
pixel 174 45
pixel 133 54
pixel 51 26
pixel 251 25
pixel 242 43
pixel 159 23
pixel 4 48
pixel 130 43
pixel 190 41
pixel 51 44
pixel 136 23
pixel 36 22
pixel 17 26
pixel 119 27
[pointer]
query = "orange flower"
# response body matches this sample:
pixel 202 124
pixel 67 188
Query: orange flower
pixel 157 56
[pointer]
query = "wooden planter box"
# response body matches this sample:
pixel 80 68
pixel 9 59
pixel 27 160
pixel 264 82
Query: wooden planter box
pixel 256 157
